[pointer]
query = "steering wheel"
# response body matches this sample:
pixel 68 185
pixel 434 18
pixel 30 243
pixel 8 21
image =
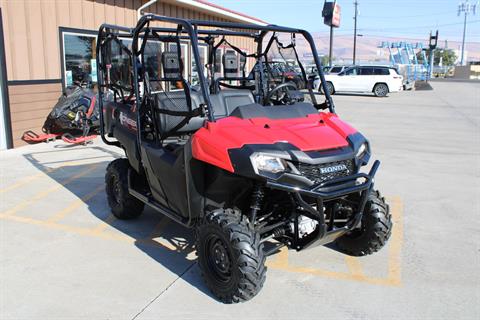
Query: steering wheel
pixel 282 92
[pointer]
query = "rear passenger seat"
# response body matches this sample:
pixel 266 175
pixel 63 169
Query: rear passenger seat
pixel 223 105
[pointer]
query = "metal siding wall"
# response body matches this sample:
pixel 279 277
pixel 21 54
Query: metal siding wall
pixel 18 44
pixel 76 14
pixel 51 46
pixel 35 35
pixel 32 46
pixel 31 29
pixel 88 15
pixel 29 106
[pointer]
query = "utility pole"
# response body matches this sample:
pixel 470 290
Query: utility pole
pixel 330 51
pixel 433 42
pixel 355 32
pixel 465 7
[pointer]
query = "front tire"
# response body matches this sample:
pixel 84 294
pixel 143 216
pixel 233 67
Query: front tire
pixel 124 206
pixel 380 90
pixel 230 256
pixel 375 230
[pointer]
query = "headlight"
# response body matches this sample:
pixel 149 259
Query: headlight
pixel 362 150
pixel 266 163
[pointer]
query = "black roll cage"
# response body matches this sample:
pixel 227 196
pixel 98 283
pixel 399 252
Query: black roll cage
pixel 191 28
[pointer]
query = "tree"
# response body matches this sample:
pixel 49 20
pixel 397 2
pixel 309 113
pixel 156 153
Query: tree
pixel 448 57
pixel 326 60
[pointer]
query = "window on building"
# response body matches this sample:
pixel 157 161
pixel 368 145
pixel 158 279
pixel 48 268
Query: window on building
pixel 243 63
pixel 218 62
pixel 79 58
pixel 172 47
pixel 121 66
pixel 153 59
pixel 202 50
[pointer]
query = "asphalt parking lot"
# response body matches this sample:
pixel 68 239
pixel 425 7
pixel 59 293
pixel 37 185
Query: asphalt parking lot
pixel 63 255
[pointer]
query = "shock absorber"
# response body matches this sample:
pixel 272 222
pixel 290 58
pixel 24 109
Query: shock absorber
pixel 257 201
pixel 276 233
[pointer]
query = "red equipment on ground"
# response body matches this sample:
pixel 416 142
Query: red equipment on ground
pixel 74 119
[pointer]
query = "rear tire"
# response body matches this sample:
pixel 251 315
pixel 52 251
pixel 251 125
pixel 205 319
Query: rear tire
pixel 375 229
pixel 380 90
pixel 230 256
pixel 330 88
pixel 124 206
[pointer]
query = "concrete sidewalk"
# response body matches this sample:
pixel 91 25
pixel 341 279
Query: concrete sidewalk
pixel 64 256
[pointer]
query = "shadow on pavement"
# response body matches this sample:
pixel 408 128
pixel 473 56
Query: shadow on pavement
pixel 174 249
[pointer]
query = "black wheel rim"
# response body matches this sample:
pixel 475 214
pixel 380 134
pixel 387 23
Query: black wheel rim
pixel 115 189
pixel 218 259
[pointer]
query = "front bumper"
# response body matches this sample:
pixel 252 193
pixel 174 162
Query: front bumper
pixel 325 191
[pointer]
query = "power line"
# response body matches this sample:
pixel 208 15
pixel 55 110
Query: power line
pixel 425 26
pixel 409 16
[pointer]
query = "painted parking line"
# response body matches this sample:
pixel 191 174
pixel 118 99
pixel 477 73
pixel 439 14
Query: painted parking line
pixel 42 174
pixel 396 241
pixel 104 224
pixel 69 229
pixel 24 204
pixel 281 261
pixel 156 233
pixel 27 180
pixel 56 217
pixel 354 265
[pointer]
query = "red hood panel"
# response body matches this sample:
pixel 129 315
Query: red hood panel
pixel 314 132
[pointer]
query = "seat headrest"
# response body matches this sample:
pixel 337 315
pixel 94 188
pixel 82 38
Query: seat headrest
pixel 230 65
pixel 172 66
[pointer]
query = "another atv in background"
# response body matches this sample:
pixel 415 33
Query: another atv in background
pixel 282 71
pixel 244 161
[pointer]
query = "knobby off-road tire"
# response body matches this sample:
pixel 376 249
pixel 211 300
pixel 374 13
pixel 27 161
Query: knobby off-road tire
pixel 124 206
pixel 380 90
pixel 376 228
pixel 230 256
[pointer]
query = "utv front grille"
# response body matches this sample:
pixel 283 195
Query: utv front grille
pixel 319 173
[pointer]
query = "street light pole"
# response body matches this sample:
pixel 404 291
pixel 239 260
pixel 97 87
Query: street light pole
pixel 463 41
pixel 465 7
pixel 355 32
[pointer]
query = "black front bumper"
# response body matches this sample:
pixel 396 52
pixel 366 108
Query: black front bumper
pixel 325 191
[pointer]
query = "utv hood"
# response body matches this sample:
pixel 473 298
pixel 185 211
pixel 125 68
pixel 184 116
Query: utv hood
pixel 315 132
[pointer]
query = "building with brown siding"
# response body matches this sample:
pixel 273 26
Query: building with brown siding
pixel 42 43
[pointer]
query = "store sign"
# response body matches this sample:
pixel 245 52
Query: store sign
pixel 93 75
pixel 336 16
pixel 331 14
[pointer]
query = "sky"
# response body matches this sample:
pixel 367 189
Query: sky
pixel 409 19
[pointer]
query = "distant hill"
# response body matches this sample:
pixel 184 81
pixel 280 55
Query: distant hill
pixel 367 47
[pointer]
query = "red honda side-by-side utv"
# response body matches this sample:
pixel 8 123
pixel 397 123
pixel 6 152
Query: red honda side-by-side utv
pixel 215 144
